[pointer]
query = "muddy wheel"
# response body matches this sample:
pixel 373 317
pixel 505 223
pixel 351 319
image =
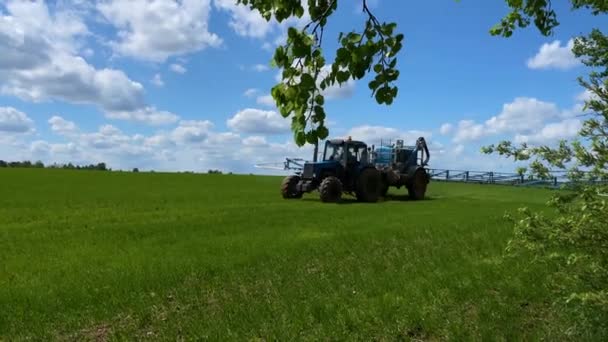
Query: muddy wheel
pixel 288 187
pixel 418 187
pixel 369 185
pixel 330 189
pixel 383 188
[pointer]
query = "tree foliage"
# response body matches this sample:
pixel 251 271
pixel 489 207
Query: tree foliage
pixel 572 239
pixel 306 73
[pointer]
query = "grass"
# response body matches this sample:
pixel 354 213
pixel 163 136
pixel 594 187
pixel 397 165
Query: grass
pixel 106 255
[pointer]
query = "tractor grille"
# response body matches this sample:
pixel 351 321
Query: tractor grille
pixel 308 171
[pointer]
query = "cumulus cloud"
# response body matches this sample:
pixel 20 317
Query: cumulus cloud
pixel 184 27
pixel 157 80
pixel 375 134
pixel 446 129
pixel 468 130
pixel 554 56
pixel 178 68
pixel 243 21
pixel 522 115
pixel 251 92
pixel 39 61
pixel 248 23
pixel 266 100
pixel 256 121
pixel 191 131
pixel 147 115
pixel 552 132
pixel 261 67
pixel 62 126
pixel 255 140
pixel 14 121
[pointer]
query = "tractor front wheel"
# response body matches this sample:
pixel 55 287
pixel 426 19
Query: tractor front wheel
pixel 418 187
pixel 289 187
pixel 369 185
pixel 330 189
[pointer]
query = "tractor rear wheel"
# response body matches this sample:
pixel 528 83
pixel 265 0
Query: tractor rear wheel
pixel 418 187
pixel 330 189
pixel 384 187
pixel 369 185
pixel 289 187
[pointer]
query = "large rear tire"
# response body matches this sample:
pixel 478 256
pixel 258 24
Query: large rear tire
pixel 417 189
pixel 384 186
pixel 330 189
pixel 369 185
pixel 289 187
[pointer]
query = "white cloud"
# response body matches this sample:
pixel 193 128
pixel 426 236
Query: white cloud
pixel 157 80
pixel 62 126
pixel 266 100
pixel 147 115
pixel 40 148
pixel 446 129
pixel 255 140
pixel 251 92
pixel 243 21
pixel 553 55
pixel 178 68
pixel 468 130
pixel 14 121
pixel 376 134
pixel 248 23
pixel 39 62
pixel 157 29
pixel 261 67
pixel 552 132
pixel 458 149
pixel 256 121
pixel 190 131
pixel 522 115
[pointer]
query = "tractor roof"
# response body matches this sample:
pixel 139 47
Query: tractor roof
pixel 342 141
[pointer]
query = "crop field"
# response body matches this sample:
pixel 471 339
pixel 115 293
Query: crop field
pixel 87 255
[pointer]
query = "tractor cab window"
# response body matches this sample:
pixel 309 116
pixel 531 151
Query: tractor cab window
pixel 333 152
pixel 352 155
pixel 356 153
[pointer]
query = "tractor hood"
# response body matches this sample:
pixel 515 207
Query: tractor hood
pixel 314 169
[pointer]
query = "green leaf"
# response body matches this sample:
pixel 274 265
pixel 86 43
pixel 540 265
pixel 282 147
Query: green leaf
pixel 342 76
pixel 299 12
pixel 322 132
pixel 319 99
pixel 354 38
pixel 307 81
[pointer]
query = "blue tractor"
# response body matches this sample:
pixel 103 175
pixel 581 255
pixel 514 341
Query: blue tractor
pixel 345 168
pixel 350 166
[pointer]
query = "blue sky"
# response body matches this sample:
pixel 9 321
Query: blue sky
pixel 183 85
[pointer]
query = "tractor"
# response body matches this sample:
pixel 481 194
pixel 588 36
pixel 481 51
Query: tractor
pixel 345 168
pixel 350 166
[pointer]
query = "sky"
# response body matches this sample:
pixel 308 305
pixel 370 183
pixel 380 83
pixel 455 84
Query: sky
pixel 184 85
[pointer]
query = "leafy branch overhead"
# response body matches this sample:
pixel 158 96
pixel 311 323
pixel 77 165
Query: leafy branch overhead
pixel 305 72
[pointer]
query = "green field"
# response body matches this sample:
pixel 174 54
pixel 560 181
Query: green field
pixel 110 255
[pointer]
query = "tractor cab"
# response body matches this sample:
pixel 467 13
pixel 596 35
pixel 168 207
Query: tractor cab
pixel 346 152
